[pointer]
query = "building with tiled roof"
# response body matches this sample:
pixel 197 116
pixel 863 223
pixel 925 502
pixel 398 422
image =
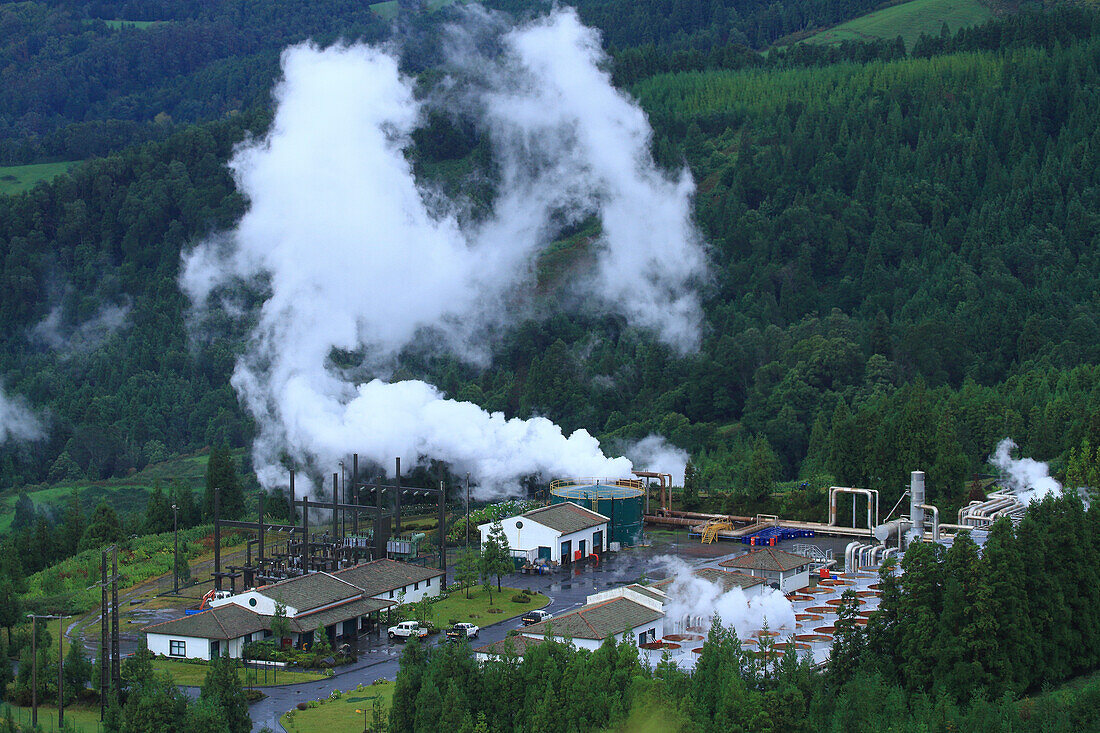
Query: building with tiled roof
pixel 561 533
pixel 518 645
pixel 341 604
pixel 618 618
pixel 779 568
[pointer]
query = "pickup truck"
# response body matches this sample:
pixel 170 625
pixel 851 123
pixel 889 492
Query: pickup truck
pixel 462 631
pixel 405 629
pixel 534 617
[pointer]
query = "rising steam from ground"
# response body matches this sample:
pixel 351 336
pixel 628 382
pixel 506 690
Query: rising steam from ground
pixel 17 421
pixel 355 259
pixel 658 455
pixel 1029 479
pixel 694 600
pixel 52 332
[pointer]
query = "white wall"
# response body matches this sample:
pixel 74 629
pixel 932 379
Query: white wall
pixel 264 606
pixel 195 648
pixel 527 538
pixel 587 535
pixel 430 588
pixel 534 535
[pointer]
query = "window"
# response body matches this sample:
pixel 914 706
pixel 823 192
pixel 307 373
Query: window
pixel 416 586
pixel 428 583
pixel 252 601
pixel 391 594
pixel 177 649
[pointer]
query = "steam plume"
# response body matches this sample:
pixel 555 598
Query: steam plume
pixel 1029 479
pixel 17 421
pixel 657 454
pixel 354 259
pixel 698 599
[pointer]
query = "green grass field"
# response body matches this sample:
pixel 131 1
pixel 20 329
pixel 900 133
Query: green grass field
pixel 82 719
pixel 193 675
pixel 125 494
pixel 344 715
pixel 908 20
pixel 139 24
pixel 19 178
pixel 476 608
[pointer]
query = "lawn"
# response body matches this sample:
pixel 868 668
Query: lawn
pixel 908 20
pixel 85 720
pixel 19 178
pixel 476 610
pixel 139 24
pixel 193 675
pixel 343 715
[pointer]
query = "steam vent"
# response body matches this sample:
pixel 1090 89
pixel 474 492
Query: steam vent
pixel 620 500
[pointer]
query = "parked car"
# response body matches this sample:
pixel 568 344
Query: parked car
pixel 533 617
pixel 462 631
pixel 405 629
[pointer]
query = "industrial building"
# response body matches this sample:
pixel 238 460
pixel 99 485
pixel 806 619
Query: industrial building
pixel 560 533
pixel 343 603
pixel 620 500
pixel 785 570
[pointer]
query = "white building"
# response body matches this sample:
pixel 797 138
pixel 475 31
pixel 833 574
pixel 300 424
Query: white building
pixel 560 533
pixel 632 612
pixel 343 604
pixel 784 570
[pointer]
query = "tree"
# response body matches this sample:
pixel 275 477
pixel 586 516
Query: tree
pixel 763 470
pixel 137 669
pixel 158 513
pixel 467 568
pixel 221 473
pixel 25 512
pixel 222 690
pixel 486 572
pixel 849 641
pixel 691 486
pixel 78 670
pixel 280 626
pixel 496 552
pixel 73 524
pixel 104 529
pixel 184 499
pixel 64 469
pixel 11 606
pixel 183 567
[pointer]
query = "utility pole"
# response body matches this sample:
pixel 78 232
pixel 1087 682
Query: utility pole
pixel 116 671
pixel 103 652
pixel 60 668
pixel 467 511
pixel 176 554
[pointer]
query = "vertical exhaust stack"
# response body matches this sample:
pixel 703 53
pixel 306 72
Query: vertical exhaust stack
pixel 916 506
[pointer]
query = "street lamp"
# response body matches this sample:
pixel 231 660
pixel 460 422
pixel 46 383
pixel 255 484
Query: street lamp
pixel 176 555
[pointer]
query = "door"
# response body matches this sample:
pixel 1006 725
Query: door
pixel 545 553
pixel 566 552
pixel 583 553
pixel 597 541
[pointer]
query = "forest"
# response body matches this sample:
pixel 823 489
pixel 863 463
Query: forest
pixel 903 268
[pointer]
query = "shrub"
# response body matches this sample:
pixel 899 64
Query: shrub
pixel 452 621
pixel 520 598
pixel 495 610
pixel 302 706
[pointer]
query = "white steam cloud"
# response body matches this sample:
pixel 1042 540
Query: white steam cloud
pixel 17 421
pixel 657 454
pixel 694 600
pixel 1029 479
pixel 358 258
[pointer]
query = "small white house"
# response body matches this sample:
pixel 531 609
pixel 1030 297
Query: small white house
pixel 785 570
pixel 628 615
pixel 561 533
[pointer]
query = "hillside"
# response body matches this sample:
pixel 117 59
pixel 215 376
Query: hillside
pixel 899 244
pixel 910 20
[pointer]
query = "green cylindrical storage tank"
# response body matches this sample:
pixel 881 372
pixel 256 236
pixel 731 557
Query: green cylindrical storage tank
pixel 621 500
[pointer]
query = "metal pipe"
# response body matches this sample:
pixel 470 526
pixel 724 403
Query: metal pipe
pixel 397 500
pixel 935 520
pixel 872 504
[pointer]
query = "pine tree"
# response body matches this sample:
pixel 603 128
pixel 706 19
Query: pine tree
pixel 158 513
pixel 104 529
pixel 222 689
pixel 428 709
pixel 74 523
pixel 467 569
pixel 221 473
pixel 78 670
pixel 849 641
pixel 497 553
